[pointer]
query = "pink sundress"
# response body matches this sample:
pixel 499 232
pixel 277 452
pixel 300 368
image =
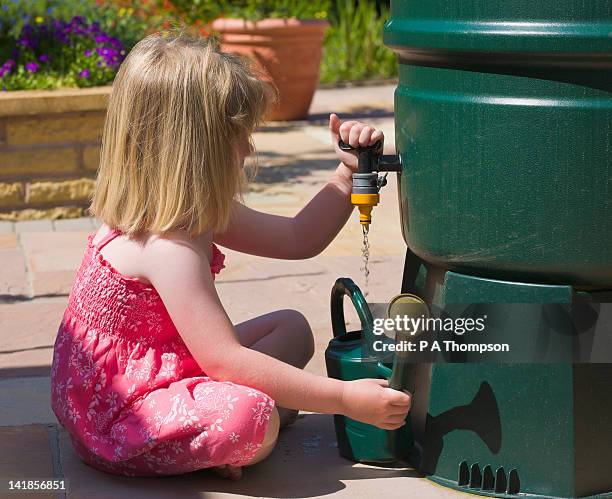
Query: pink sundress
pixel 126 388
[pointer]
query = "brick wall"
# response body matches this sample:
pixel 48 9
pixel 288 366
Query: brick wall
pixel 49 151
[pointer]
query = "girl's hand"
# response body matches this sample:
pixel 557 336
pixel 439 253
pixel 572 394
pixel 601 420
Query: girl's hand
pixel 354 133
pixel 371 401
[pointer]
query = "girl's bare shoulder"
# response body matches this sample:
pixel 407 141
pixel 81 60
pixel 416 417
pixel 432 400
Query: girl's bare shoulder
pixel 141 258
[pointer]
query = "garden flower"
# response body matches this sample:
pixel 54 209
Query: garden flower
pixel 115 43
pixel 62 38
pixel 32 67
pixel 7 67
pixel 110 55
pixel 93 27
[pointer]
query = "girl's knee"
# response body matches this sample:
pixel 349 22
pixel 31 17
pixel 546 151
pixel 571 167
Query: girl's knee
pixel 301 331
pixel 270 439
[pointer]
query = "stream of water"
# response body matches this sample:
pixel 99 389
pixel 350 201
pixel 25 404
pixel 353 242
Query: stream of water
pixel 365 252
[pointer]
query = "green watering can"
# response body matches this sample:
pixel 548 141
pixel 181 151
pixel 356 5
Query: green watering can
pixel 350 356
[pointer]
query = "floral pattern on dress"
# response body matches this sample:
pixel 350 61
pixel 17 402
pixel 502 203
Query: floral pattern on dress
pixel 129 392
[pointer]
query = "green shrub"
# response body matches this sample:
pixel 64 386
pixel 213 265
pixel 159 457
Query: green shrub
pixel 253 10
pixel 353 47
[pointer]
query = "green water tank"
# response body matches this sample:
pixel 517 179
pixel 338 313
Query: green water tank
pixel 504 124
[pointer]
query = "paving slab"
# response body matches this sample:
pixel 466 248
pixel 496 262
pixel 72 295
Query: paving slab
pixel 359 100
pixel 52 283
pixel 13 274
pixel 305 463
pixel 7 227
pixel 26 401
pixel 53 258
pixel 82 223
pixel 8 240
pixel 26 455
pixel 27 335
pixel 33 226
pixel 54 251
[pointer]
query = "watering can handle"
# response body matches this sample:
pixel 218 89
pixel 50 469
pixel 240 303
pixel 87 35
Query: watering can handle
pixel 345 286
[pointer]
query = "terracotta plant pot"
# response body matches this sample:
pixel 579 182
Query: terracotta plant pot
pixel 288 51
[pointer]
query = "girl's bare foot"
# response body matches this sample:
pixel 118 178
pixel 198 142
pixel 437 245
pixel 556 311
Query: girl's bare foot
pixel 228 471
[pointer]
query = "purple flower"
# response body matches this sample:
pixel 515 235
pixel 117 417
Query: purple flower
pixel 77 21
pixel 93 28
pixel 84 73
pixel 32 67
pixel 102 38
pixel 105 51
pixel 115 43
pixel 111 56
pixel 44 58
pixel 7 67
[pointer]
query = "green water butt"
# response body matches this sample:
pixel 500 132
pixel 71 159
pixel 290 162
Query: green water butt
pixel 503 118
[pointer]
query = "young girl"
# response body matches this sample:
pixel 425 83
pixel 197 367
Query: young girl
pixel 149 376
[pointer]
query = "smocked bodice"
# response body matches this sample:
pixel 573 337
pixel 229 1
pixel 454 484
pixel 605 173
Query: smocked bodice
pixel 108 302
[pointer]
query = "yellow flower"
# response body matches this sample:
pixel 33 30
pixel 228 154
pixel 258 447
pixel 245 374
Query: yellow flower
pixel 122 12
pixel 321 15
pixel 39 20
pixel 130 11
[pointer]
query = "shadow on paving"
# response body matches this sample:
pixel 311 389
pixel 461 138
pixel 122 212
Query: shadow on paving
pixel 295 170
pixel 26 371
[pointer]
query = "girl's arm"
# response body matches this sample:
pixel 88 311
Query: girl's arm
pixel 292 238
pixel 180 273
pixel 317 224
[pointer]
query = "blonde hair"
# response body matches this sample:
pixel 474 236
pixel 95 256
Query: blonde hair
pixel 169 159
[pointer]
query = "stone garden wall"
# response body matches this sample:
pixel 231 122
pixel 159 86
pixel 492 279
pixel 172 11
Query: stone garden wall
pixel 49 151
